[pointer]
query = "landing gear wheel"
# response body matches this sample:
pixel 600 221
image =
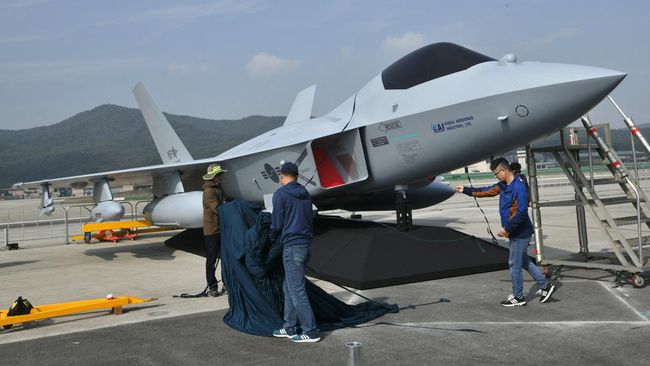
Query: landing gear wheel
pixel 637 281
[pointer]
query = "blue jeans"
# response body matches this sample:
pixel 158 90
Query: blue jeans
pixel 296 304
pixel 519 259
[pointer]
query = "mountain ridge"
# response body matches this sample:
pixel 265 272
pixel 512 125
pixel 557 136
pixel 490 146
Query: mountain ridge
pixel 111 137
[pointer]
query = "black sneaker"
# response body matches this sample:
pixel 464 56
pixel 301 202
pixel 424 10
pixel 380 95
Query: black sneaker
pixel 546 292
pixel 514 301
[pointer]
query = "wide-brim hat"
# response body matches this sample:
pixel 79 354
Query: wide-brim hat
pixel 213 170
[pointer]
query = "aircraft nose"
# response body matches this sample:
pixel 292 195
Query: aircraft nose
pixel 573 90
pixel 609 79
pixel 593 83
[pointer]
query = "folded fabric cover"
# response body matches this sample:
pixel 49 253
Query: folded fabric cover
pixel 253 273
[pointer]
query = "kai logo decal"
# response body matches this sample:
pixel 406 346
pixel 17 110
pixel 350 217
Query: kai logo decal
pixel 438 127
pixel 389 126
pixel 453 124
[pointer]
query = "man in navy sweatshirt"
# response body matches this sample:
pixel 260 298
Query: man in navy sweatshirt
pixel 292 219
pixel 516 226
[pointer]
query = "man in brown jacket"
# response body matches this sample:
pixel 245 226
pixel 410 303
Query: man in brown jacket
pixel 212 198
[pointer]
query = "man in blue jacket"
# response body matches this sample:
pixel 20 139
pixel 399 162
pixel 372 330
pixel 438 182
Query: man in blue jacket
pixel 292 219
pixel 516 226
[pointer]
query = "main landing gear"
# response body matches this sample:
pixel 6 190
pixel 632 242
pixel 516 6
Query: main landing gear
pixel 404 214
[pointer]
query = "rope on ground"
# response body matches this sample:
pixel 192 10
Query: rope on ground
pixel 410 306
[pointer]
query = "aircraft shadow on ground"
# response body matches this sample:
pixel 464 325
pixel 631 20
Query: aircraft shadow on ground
pixel 16 263
pixel 154 251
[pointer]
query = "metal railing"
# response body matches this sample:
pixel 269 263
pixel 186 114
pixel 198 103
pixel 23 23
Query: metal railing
pixel 26 225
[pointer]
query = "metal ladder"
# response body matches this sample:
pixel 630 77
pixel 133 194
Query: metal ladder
pixel 627 251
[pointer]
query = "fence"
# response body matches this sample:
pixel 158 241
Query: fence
pixel 27 226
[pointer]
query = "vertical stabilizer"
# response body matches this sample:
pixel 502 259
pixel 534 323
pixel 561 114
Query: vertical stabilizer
pixel 302 105
pixel 169 145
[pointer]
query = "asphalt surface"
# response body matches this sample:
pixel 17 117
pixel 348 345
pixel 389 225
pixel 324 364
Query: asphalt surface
pixel 587 322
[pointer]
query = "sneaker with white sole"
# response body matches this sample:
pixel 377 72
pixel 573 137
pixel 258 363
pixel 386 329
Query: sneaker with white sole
pixel 284 333
pixel 303 338
pixel 546 292
pixel 514 301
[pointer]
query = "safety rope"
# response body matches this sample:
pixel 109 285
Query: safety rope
pixel 206 290
pixel 409 306
pixel 494 239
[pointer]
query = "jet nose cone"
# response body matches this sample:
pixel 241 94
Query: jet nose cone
pixel 609 79
pixel 566 93
pixel 596 80
pixel 577 88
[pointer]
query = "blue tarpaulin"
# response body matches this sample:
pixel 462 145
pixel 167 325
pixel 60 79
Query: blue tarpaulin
pixel 253 273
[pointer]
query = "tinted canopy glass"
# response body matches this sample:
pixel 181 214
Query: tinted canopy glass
pixel 428 63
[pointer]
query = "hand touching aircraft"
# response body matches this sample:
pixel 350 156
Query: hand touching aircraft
pixel 436 109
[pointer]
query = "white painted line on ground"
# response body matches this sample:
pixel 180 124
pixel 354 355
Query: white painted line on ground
pixel 621 299
pixel 558 322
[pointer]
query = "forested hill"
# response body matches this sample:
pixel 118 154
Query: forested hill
pixel 112 137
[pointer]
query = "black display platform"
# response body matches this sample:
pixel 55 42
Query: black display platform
pixel 366 254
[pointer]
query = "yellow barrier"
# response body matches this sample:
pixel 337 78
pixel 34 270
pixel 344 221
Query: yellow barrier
pixel 69 308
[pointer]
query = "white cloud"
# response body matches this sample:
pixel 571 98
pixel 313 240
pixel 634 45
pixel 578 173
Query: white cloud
pixel 17 4
pixel 559 35
pixel 186 13
pixel 346 52
pixel 67 69
pixel 264 64
pixel 191 68
pixel 32 38
pixel 404 44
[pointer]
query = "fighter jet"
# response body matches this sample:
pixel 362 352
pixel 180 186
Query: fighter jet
pixel 436 109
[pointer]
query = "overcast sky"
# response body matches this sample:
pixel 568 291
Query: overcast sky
pixel 229 59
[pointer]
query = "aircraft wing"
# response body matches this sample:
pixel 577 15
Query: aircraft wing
pixel 140 175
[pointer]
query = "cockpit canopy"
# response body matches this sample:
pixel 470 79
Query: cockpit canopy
pixel 428 63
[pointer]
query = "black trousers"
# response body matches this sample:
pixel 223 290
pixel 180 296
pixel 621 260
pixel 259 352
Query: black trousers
pixel 212 251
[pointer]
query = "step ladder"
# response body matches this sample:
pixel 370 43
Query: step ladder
pixel 628 251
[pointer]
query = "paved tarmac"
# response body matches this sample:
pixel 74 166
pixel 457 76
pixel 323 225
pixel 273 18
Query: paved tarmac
pixel 587 322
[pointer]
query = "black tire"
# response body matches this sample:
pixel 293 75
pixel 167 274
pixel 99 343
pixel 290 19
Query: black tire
pixel 637 281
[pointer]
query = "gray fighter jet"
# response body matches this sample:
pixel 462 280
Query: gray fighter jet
pixel 436 109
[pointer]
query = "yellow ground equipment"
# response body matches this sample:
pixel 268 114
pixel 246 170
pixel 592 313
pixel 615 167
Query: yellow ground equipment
pixel 115 230
pixel 115 303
